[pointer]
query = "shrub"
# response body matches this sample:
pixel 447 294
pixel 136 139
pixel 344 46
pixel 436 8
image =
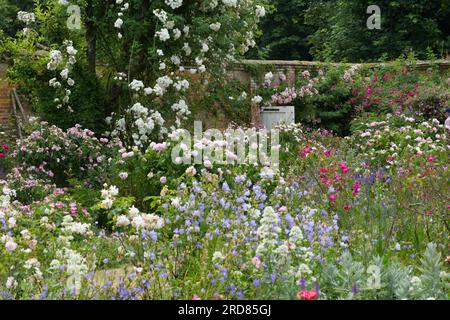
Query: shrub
pixel 398 140
pixel 329 108
pixel 430 102
pixel 87 98
pixel 61 155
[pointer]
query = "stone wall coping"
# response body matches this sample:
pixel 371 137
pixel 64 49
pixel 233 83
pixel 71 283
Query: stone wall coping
pixel 444 64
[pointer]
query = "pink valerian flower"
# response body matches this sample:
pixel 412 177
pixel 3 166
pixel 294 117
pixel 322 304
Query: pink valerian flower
pixel 73 209
pixel 59 191
pixel 430 159
pixel 327 153
pixel 306 150
pixel 30 183
pixel 332 197
pixel 256 262
pixel 59 205
pixel 356 188
pixel 344 168
pixel 323 170
pixel 196 297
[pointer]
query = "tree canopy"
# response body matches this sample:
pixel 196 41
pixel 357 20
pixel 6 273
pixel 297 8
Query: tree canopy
pixel 336 30
pixel 326 30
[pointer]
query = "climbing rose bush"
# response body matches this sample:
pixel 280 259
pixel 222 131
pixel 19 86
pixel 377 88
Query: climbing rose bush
pixel 151 66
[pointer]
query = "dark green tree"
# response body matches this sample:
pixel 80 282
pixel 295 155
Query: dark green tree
pixel 341 32
pixel 285 34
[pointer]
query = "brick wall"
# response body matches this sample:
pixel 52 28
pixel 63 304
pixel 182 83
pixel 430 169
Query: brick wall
pixel 293 70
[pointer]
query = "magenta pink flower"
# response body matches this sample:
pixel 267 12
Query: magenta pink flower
pixel 344 168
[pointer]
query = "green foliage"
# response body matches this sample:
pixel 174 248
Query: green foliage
pixel 226 98
pixel 284 32
pixel 336 30
pixel 431 269
pixel 330 108
pixel 340 31
pixel 258 70
pixel 398 87
pixel 381 279
pixel 29 55
pixel 87 97
pixel 144 173
pixel 430 102
pixel 8 15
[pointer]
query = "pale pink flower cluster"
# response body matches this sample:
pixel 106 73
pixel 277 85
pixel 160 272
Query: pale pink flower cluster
pixel 159 147
pixel 308 89
pixel 285 97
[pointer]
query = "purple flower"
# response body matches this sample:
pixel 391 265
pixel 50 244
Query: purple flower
pixel 355 289
pixel 273 277
pixel 153 235
pixel 225 187
pixel 303 284
pixel 44 293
